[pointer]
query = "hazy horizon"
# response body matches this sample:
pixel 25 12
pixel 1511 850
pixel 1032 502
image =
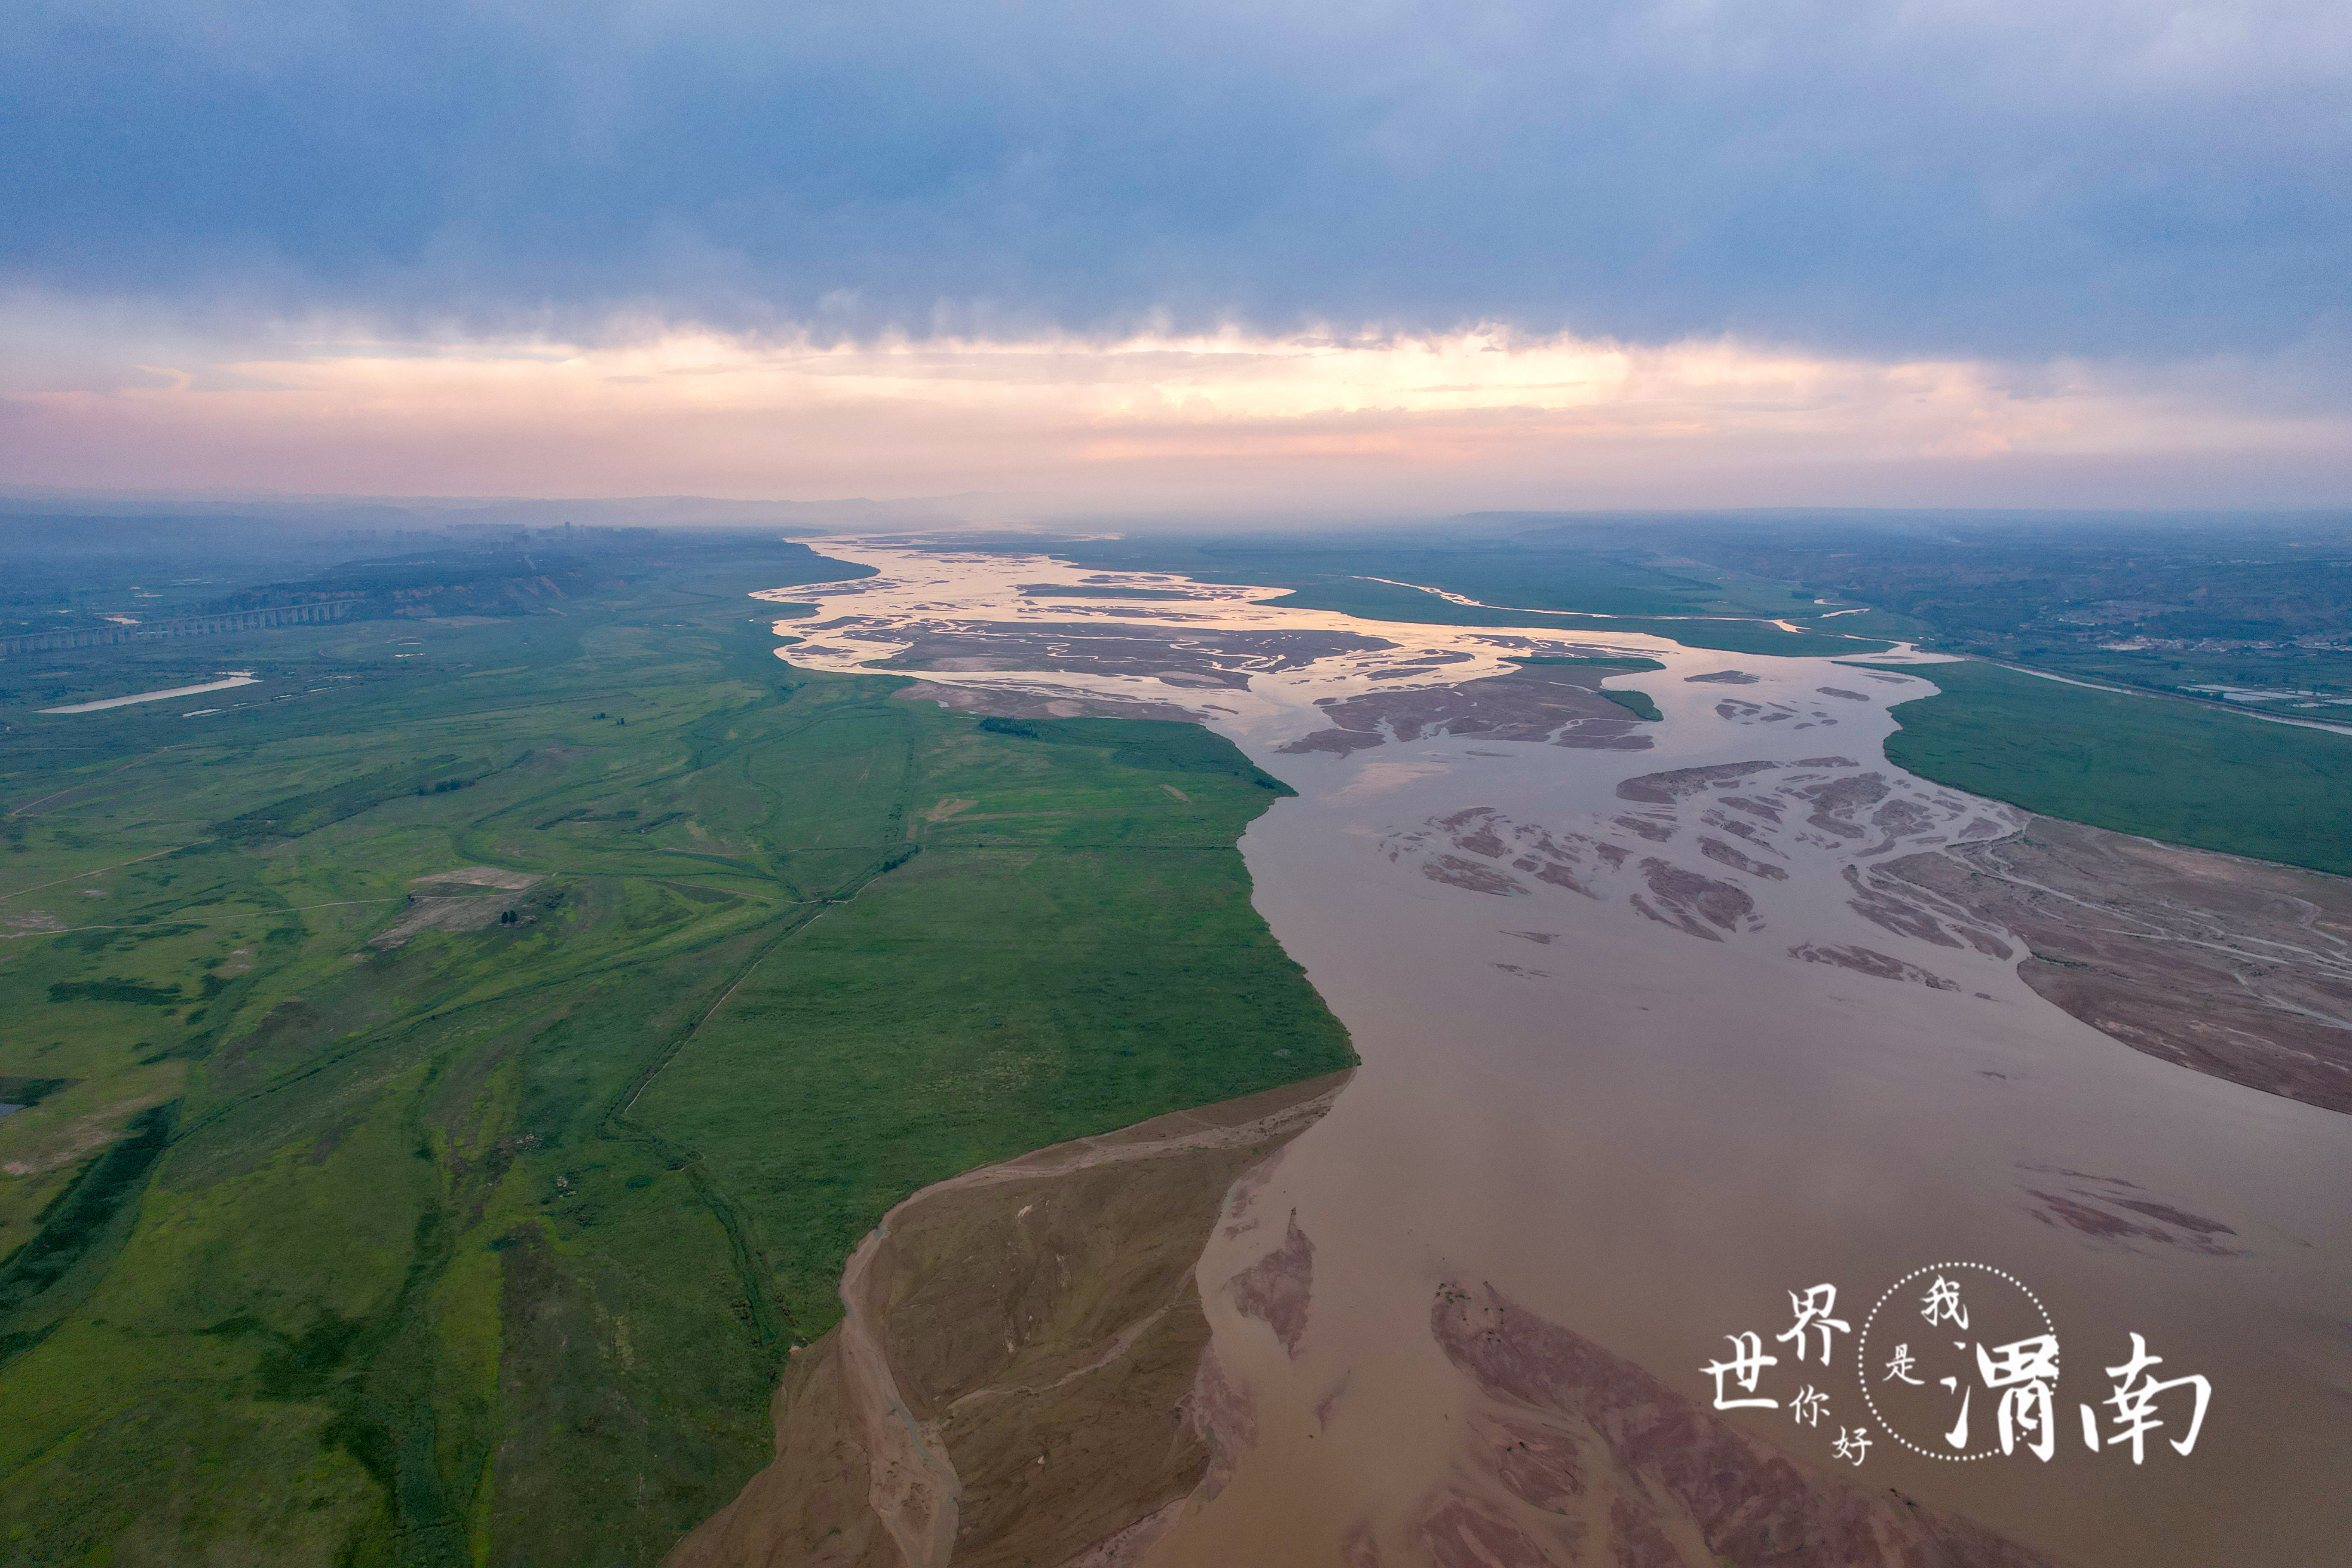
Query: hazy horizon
pixel 1638 255
pixel 985 513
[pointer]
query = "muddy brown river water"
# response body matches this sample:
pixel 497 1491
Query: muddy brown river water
pixel 1649 1045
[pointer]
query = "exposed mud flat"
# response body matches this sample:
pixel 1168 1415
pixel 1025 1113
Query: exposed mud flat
pixel 997 703
pixel 1652 1040
pixel 982 640
pixel 1015 1380
pixel 2226 966
pixel 1534 704
pixel 1579 1455
pixel 480 877
pixel 447 900
pixel 1218 659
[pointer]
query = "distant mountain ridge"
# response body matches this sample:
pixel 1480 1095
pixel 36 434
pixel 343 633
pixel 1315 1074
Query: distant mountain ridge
pixel 342 511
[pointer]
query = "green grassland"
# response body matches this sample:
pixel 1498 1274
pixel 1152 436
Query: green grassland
pixel 1627 664
pixel 2246 600
pixel 2169 770
pixel 1589 582
pixel 486 1246
pixel 2323 671
pixel 1374 601
pixel 1640 704
pixel 1621 589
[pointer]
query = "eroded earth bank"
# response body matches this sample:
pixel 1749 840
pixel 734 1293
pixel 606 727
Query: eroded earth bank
pixel 1014 1381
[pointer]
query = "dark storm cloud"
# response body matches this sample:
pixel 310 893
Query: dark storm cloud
pixel 2002 178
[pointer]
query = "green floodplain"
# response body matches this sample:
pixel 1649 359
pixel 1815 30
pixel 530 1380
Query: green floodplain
pixel 1583 590
pixel 1720 628
pixel 486 1245
pixel 2181 772
pixel 365 1213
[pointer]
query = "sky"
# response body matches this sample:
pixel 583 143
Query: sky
pixel 1381 256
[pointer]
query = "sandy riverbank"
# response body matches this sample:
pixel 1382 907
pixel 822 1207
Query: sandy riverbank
pixel 1013 1382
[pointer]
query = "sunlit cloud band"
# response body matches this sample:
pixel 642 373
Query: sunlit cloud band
pixel 1480 418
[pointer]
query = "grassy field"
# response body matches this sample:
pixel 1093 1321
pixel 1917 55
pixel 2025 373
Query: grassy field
pixel 1374 601
pixel 1569 590
pixel 1638 703
pixel 1627 664
pixel 2326 671
pixel 484 1247
pixel 2168 770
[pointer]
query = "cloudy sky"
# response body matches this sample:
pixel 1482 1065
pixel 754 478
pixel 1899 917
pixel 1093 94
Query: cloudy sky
pixel 1383 255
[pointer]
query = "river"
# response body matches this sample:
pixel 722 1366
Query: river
pixel 1656 1117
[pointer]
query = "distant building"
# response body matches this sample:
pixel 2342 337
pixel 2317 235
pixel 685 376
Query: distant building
pixel 491 532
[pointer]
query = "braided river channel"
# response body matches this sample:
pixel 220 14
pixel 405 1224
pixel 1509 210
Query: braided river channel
pixel 1653 1044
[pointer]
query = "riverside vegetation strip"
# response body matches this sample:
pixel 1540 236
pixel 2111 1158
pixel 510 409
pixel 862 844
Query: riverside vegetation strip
pixel 1619 590
pixel 2173 771
pixel 488 1247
